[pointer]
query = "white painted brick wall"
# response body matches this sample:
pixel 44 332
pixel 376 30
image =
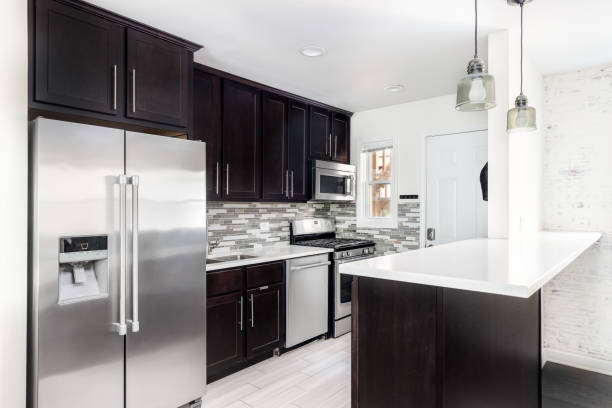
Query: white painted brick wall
pixel 578 196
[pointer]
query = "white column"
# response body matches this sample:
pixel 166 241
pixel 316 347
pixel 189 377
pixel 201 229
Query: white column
pixel 13 202
pixel 515 160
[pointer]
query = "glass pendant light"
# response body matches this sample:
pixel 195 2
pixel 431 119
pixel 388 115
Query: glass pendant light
pixel 476 90
pixel 521 118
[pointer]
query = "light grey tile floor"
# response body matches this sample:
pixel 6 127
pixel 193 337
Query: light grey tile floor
pixel 317 375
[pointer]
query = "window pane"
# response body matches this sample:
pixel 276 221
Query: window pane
pixel 380 165
pixel 379 200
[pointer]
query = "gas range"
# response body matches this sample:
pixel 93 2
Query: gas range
pixel 320 232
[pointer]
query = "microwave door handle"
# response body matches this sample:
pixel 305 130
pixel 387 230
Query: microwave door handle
pixel 349 185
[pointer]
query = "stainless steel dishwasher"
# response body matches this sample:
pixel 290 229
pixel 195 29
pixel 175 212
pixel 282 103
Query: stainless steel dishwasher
pixel 307 298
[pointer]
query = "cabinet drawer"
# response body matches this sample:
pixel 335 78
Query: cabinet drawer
pixel 225 281
pixel 266 274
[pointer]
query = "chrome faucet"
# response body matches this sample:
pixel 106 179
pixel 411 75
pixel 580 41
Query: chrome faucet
pixel 212 244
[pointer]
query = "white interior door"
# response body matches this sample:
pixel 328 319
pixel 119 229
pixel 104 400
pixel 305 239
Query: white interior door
pixel 455 209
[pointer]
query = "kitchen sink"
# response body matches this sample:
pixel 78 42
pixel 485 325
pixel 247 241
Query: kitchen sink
pixel 229 258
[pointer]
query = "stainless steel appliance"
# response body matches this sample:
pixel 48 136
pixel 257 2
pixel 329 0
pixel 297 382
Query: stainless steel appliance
pixel 306 298
pixel 332 181
pixel 117 260
pixel 320 232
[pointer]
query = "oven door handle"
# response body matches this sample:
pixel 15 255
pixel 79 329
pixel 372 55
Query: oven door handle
pixel 359 258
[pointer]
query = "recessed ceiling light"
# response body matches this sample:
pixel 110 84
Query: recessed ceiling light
pixel 312 51
pixel 394 88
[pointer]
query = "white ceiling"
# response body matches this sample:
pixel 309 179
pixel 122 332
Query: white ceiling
pixel 422 44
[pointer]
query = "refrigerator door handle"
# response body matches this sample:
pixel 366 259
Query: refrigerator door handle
pixel 134 322
pixel 120 327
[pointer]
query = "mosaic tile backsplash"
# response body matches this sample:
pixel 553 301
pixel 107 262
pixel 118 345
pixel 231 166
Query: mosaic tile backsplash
pixel 242 226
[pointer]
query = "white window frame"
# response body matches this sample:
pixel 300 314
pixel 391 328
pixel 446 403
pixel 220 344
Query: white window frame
pixel 363 219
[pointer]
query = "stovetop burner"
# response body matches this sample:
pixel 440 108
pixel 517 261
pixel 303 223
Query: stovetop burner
pixel 336 243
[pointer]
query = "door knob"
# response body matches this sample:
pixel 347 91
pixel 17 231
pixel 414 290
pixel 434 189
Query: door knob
pixel 431 234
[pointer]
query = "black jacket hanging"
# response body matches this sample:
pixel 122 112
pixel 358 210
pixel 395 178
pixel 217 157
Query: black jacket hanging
pixel 484 182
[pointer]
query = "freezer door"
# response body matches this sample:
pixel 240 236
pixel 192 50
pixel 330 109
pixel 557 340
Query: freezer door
pixel 165 351
pixel 75 358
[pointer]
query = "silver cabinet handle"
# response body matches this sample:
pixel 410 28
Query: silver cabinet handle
pixel 291 183
pixel 227 179
pixel 330 146
pixel 135 323
pixel 217 183
pixel 287 183
pixel 133 90
pixel 121 327
pixel 252 311
pixel 299 268
pixel 114 87
pixel 335 146
pixel 241 313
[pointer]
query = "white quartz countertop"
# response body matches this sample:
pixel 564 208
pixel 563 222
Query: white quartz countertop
pixel 518 267
pixel 266 254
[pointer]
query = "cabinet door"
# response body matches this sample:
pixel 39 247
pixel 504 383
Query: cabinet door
pixel 79 59
pixel 207 128
pixel 320 134
pixel 265 319
pixel 225 332
pixel 275 176
pixel 340 138
pixel 297 151
pixel 241 142
pixel 158 79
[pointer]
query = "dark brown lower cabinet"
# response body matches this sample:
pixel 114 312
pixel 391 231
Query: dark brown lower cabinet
pixel 225 337
pixel 431 347
pixel 264 308
pixel 245 317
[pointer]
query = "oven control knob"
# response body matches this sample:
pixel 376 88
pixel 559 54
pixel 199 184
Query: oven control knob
pixel 366 251
pixel 347 254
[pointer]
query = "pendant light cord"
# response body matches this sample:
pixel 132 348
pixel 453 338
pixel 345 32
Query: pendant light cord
pixel 476 29
pixel 522 4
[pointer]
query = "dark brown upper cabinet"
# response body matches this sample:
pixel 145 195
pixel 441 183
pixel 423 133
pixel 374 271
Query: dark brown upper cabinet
pixel 158 79
pixel 263 138
pixel 275 174
pixel 297 151
pixel 91 65
pixel 79 59
pixel 320 134
pixel 340 138
pixel 241 141
pixel 265 318
pixel 207 128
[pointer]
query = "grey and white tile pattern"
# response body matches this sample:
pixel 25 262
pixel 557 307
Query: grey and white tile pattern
pixel 388 240
pixel 243 226
pixel 240 226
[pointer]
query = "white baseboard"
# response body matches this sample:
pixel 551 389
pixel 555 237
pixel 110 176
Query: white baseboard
pixel 577 361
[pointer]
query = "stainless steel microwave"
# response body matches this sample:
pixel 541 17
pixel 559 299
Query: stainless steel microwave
pixel 332 181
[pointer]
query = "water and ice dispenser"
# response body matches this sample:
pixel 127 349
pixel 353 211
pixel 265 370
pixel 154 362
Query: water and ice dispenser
pixel 83 268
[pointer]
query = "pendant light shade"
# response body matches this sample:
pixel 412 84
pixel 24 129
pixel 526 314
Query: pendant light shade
pixel 476 90
pixel 521 118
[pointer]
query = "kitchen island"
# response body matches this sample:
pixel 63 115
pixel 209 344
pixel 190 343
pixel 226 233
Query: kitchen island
pixel 456 325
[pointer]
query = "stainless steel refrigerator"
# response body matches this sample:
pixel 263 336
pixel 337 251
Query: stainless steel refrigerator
pixel 117 268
